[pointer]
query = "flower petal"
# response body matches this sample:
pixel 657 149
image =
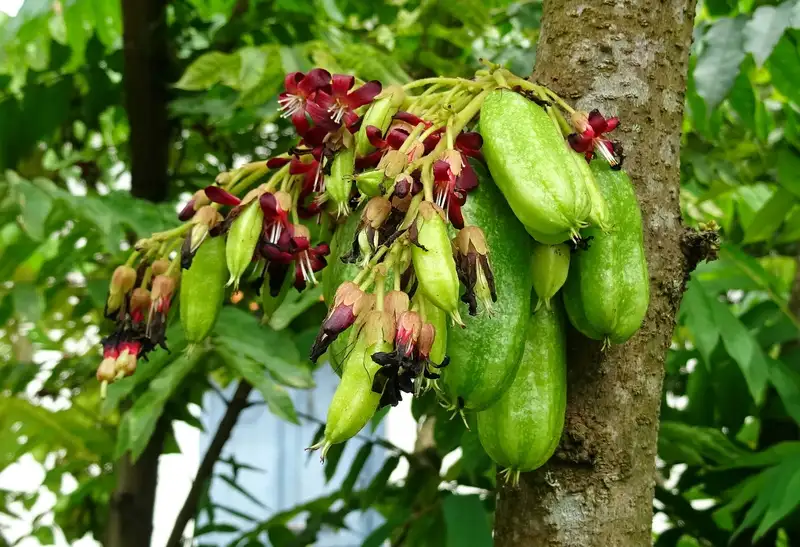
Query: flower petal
pixel 598 122
pixel 441 171
pixel 223 197
pixel 300 122
pixel 290 82
pixel 410 118
pixel 579 143
pixel 467 180
pixel 313 81
pixel 370 160
pixel 341 84
pixel 375 137
pixel 469 143
pixel 363 95
pixel 396 138
pixel 274 163
pixel 455 215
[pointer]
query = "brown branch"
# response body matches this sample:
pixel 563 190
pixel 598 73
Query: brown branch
pixel 146 95
pixel 237 405
pixel 699 245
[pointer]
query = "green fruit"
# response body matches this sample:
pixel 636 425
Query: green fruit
pixel 533 166
pixel 242 240
pixel 549 269
pixel 484 356
pixel 340 181
pixel 607 291
pixel 202 289
pixel 433 260
pixel 380 115
pixel 600 216
pixel 354 402
pixel 549 239
pixel 522 430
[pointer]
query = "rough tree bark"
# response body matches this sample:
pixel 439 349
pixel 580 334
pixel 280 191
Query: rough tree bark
pixel 146 95
pixel 130 520
pixel 627 58
pixel 130 517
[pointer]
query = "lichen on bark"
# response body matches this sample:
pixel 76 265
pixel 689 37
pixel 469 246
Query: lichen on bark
pixel 627 58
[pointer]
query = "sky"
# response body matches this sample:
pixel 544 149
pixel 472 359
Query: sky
pixel 10 6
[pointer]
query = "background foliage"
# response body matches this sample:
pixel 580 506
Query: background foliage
pixel 729 447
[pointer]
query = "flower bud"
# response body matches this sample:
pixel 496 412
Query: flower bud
pixel 197 201
pixel 107 371
pixel 396 302
pixel 161 297
pixel 160 266
pixel 474 270
pixel 376 211
pixel 348 303
pixel 140 304
pixel 126 362
pixel 378 327
pixel 409 325
pixel 427 336
pixel 393 163
pixel 122 281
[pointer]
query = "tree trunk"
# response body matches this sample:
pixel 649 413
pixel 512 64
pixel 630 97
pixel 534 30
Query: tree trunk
pixel 146 71
pixel 130 518
pixel 627 58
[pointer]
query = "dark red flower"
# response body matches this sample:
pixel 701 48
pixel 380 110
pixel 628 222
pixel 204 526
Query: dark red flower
pixel 453 178
pixel 590 138
pixel 348 303
pixel 276 207
pixel 300 91
pixel 341 103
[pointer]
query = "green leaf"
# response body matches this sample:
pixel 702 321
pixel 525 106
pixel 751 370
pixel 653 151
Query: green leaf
pixel 236 486
pixel 240 334
pixel 718 64
pixel 787 383
pixel 467 522
pixel 295 304
pixel 277 398
pixel 253 65
pixel 769 218
pixel 332 460
pixel 764 30
pixel 140 421
pixel 696 312
pixel 788 163
pixel 742 347
pixel 694 445
pixel 28 301
pixel 378 485
pixel 355 469
pixel 35 205
pixel 379 536
pixel 784 68
pixel 209 69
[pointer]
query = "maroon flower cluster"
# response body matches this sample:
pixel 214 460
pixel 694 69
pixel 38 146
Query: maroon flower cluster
pixel 139 309
pixel 281 243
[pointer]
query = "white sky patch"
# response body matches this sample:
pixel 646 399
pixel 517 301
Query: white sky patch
pixel 10 7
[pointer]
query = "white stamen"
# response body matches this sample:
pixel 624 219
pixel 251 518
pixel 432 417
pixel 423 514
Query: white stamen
pixel 606 154
pixel 291 104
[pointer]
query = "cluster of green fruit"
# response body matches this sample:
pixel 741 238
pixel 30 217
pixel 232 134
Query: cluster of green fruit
pixel 444 274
